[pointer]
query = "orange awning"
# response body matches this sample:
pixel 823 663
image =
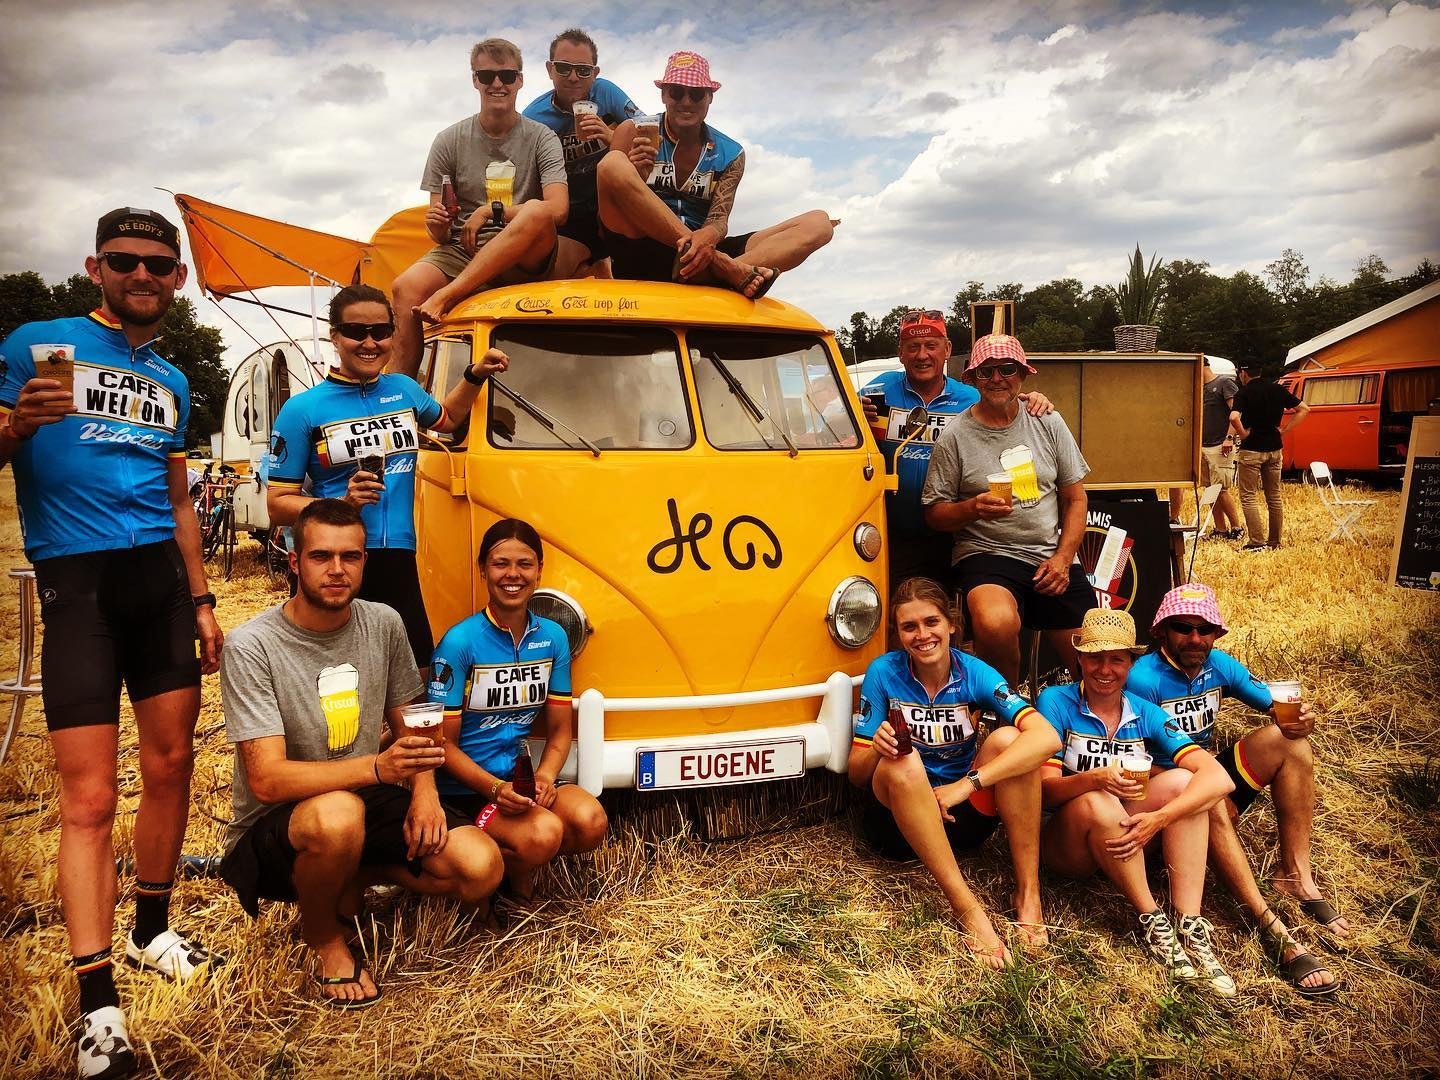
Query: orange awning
pixel 232 251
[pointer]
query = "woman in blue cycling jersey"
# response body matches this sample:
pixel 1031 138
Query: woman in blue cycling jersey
pixel 500 673
pixel 949 796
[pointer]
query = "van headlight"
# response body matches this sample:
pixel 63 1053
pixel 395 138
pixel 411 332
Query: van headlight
pixel 556 606
pixel 854 612
pixel 867 541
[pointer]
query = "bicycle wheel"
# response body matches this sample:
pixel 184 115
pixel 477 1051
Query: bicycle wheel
pixel 227 542
pixel 210 535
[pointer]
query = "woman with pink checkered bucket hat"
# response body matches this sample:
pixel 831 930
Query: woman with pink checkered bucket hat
pixel 667 187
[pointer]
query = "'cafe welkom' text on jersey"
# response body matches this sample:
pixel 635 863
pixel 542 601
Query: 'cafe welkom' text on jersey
pixel 1195 703
pixel 1086 745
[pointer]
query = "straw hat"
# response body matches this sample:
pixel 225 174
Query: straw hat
pixel 1106 631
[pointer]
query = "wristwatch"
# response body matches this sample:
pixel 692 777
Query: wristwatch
pixel 203 599
pixel 472 378
pixel 974 777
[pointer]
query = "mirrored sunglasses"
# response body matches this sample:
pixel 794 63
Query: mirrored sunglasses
pixel 988 372
pixel 123 262
pixel 486 76
pixel 928 315
pixel 359 331
pixel 565 69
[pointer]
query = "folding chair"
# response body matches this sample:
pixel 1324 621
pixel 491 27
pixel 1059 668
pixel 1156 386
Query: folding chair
pixel 26 683
pixel 1343 511
pixel 1184 538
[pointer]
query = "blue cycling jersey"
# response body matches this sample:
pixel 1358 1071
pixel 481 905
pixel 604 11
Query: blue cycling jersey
pixel 1195 703
pixel 942 728
pixel 581 158
pixel 96 480
pixel 689 198
pixel 1085 743
pixel 903 510
pixel 497 688
pixel 323 433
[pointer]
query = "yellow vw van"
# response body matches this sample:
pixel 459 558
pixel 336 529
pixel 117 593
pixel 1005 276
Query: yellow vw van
pixel 712 509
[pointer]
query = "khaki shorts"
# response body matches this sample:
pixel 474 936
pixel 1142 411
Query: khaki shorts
pixel 450 259
pixel 1219 468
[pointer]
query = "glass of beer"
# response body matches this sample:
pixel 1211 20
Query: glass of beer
pixel 1137 767
pixel 55 362
pixel 425 718
pixel 500 182
pixel 584 108
pixel 647 129
pixel 1286 697
pixel 1000 485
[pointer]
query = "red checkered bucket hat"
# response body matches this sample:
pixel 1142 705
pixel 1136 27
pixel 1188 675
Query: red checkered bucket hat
pixel 686 68
pixel 1192 599
pixel 998 347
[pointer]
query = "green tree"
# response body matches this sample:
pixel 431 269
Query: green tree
pixel 76 295
pixel 24 297
pixel 886 339
pixel 1288 275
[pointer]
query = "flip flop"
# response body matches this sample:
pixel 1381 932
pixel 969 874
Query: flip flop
pixel 766 283
pixel 675 266
pixel 346 980
pixel 1300 966
pixel 1321 910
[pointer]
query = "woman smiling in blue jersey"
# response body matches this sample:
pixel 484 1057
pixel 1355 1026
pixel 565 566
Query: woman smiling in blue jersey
pixel 931 803
pixel 498 673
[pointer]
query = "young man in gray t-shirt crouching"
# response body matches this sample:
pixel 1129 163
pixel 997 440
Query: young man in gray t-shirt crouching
pixel 1014 558
pixel 318 808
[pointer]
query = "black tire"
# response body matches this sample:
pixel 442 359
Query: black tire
pixel 227 541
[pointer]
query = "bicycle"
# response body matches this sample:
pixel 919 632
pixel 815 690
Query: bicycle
pixel 217 528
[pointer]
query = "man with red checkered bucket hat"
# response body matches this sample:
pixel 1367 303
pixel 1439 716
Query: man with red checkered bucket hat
pixel 1188 677
pixel 667 187
pixel 1009 486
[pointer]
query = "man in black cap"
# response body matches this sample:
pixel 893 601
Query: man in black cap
pixel 93 420
pixel 1258 416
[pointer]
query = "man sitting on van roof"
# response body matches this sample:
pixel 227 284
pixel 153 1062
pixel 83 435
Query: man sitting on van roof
pixel 470 251
pixel 665 209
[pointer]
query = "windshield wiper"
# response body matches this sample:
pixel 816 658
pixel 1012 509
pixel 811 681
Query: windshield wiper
pixel 545 419
pixel 750 405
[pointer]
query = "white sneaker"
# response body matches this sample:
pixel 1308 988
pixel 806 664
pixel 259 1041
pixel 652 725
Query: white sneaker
pixel 175 957
pixel 104 1052
pixel 1195 931
pixel 1159 938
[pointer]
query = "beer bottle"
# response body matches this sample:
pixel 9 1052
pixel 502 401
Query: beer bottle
pixel 522 777
pixel 901 730
pixel 448 199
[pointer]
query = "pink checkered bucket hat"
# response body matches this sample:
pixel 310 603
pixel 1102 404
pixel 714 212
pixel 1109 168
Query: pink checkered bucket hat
pixel 1000 347
pixel 1192 599
pixel 686 68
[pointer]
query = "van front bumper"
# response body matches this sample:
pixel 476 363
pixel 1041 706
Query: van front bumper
pixel 598 764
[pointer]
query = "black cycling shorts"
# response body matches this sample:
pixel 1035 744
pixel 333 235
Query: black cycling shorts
pixel 1037 611
pixel 968 831
pixel 110 617
pixel 644 259
pixel 392 578
pixel 1231 761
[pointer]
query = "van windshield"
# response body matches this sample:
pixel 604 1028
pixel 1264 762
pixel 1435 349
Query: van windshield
pixel 618 389
pixel 769 391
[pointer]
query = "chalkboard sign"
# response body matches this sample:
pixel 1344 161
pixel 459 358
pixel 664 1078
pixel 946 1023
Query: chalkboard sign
pixel 1416 561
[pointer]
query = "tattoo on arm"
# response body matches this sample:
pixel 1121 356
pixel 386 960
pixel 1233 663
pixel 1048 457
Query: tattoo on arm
pixel 722 198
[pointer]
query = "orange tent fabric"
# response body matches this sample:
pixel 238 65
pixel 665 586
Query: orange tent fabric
pixel 234 252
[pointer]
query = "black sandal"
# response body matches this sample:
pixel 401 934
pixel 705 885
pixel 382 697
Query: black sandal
pixel 1300 966
pixel 346 980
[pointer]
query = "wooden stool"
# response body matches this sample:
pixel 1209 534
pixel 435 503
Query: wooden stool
pixel 27 682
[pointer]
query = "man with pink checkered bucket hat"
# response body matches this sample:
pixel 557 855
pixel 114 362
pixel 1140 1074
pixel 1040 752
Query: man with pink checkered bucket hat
pixel 1187 676
pixel 667 187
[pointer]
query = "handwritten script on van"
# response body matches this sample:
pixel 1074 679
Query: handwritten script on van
pixel 669 554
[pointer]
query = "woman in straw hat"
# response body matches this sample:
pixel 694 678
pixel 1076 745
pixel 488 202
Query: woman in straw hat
pixel 950 796
pixel 1108 810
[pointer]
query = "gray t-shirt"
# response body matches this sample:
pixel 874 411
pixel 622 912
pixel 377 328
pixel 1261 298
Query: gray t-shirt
pixel 463 150
pixel 965 455
pixel 326 693
pixel 1215 414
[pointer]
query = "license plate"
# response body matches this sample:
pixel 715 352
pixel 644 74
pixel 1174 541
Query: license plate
pixel 736 763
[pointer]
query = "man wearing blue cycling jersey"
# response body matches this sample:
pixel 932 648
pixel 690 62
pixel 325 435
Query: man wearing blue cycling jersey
pixel 1188 677
pixel 93 420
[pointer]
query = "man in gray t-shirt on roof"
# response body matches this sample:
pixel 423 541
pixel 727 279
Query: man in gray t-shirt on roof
pixel 318 808
pixel 1014 557
pixel 470 253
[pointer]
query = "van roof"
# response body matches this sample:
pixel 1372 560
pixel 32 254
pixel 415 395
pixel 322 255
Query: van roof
pixel 633 301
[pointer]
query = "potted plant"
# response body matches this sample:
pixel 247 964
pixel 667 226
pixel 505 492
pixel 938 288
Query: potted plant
pixel 1138 300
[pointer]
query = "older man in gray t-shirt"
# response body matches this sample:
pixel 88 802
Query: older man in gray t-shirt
pixel 1014 556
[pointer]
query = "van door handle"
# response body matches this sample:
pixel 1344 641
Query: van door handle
pixel 1366 421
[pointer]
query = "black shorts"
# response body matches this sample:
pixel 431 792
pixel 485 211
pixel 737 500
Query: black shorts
pixel 583 226
pixel 112 616
pixel 1245 790
pixel 392 577
pixel 649 260
pixel 967 832
pixel 1037 611
pixel 261 865
pixel 924 555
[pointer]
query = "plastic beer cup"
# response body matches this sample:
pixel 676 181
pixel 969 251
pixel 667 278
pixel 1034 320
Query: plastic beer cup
pixel 55 362
pixel 1286 697
pixel 425 718
pixel 1137 767
pixel 1000 485
pixel 647 129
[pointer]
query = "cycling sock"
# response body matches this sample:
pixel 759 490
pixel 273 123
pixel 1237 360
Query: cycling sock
pixel 97 981
pixel 152 910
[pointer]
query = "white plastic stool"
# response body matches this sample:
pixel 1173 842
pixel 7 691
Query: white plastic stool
pixel 27 682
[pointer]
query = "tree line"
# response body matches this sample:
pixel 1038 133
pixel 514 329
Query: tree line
pixel 195 349
pixel 1244 317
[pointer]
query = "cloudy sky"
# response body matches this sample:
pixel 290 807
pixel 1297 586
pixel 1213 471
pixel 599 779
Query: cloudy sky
pixel 998 141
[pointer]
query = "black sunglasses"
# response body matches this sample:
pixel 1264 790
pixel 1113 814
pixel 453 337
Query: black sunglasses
pixel 918 316
pixel 122 262
pixel 986 373
pixel 564 69
pixel 486 76
pixel 696 94
pixel 359 331
pixel 1185 629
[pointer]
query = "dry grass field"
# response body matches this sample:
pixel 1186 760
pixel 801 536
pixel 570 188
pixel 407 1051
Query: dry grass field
pixel 793 953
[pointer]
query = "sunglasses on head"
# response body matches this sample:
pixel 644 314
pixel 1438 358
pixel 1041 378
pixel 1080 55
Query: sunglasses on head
pixel 696 94
pixel 122 262
pixel 564 69
pixel 918 315
pixel 359 331
pixel 486 76
pixel 1185 629
pixel 988 372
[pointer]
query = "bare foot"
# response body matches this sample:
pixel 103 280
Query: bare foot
pixel 982 941
pixel 1300 891
pixel 745 279
pixel 352 981
pixel 1030 920
pixel 433 310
